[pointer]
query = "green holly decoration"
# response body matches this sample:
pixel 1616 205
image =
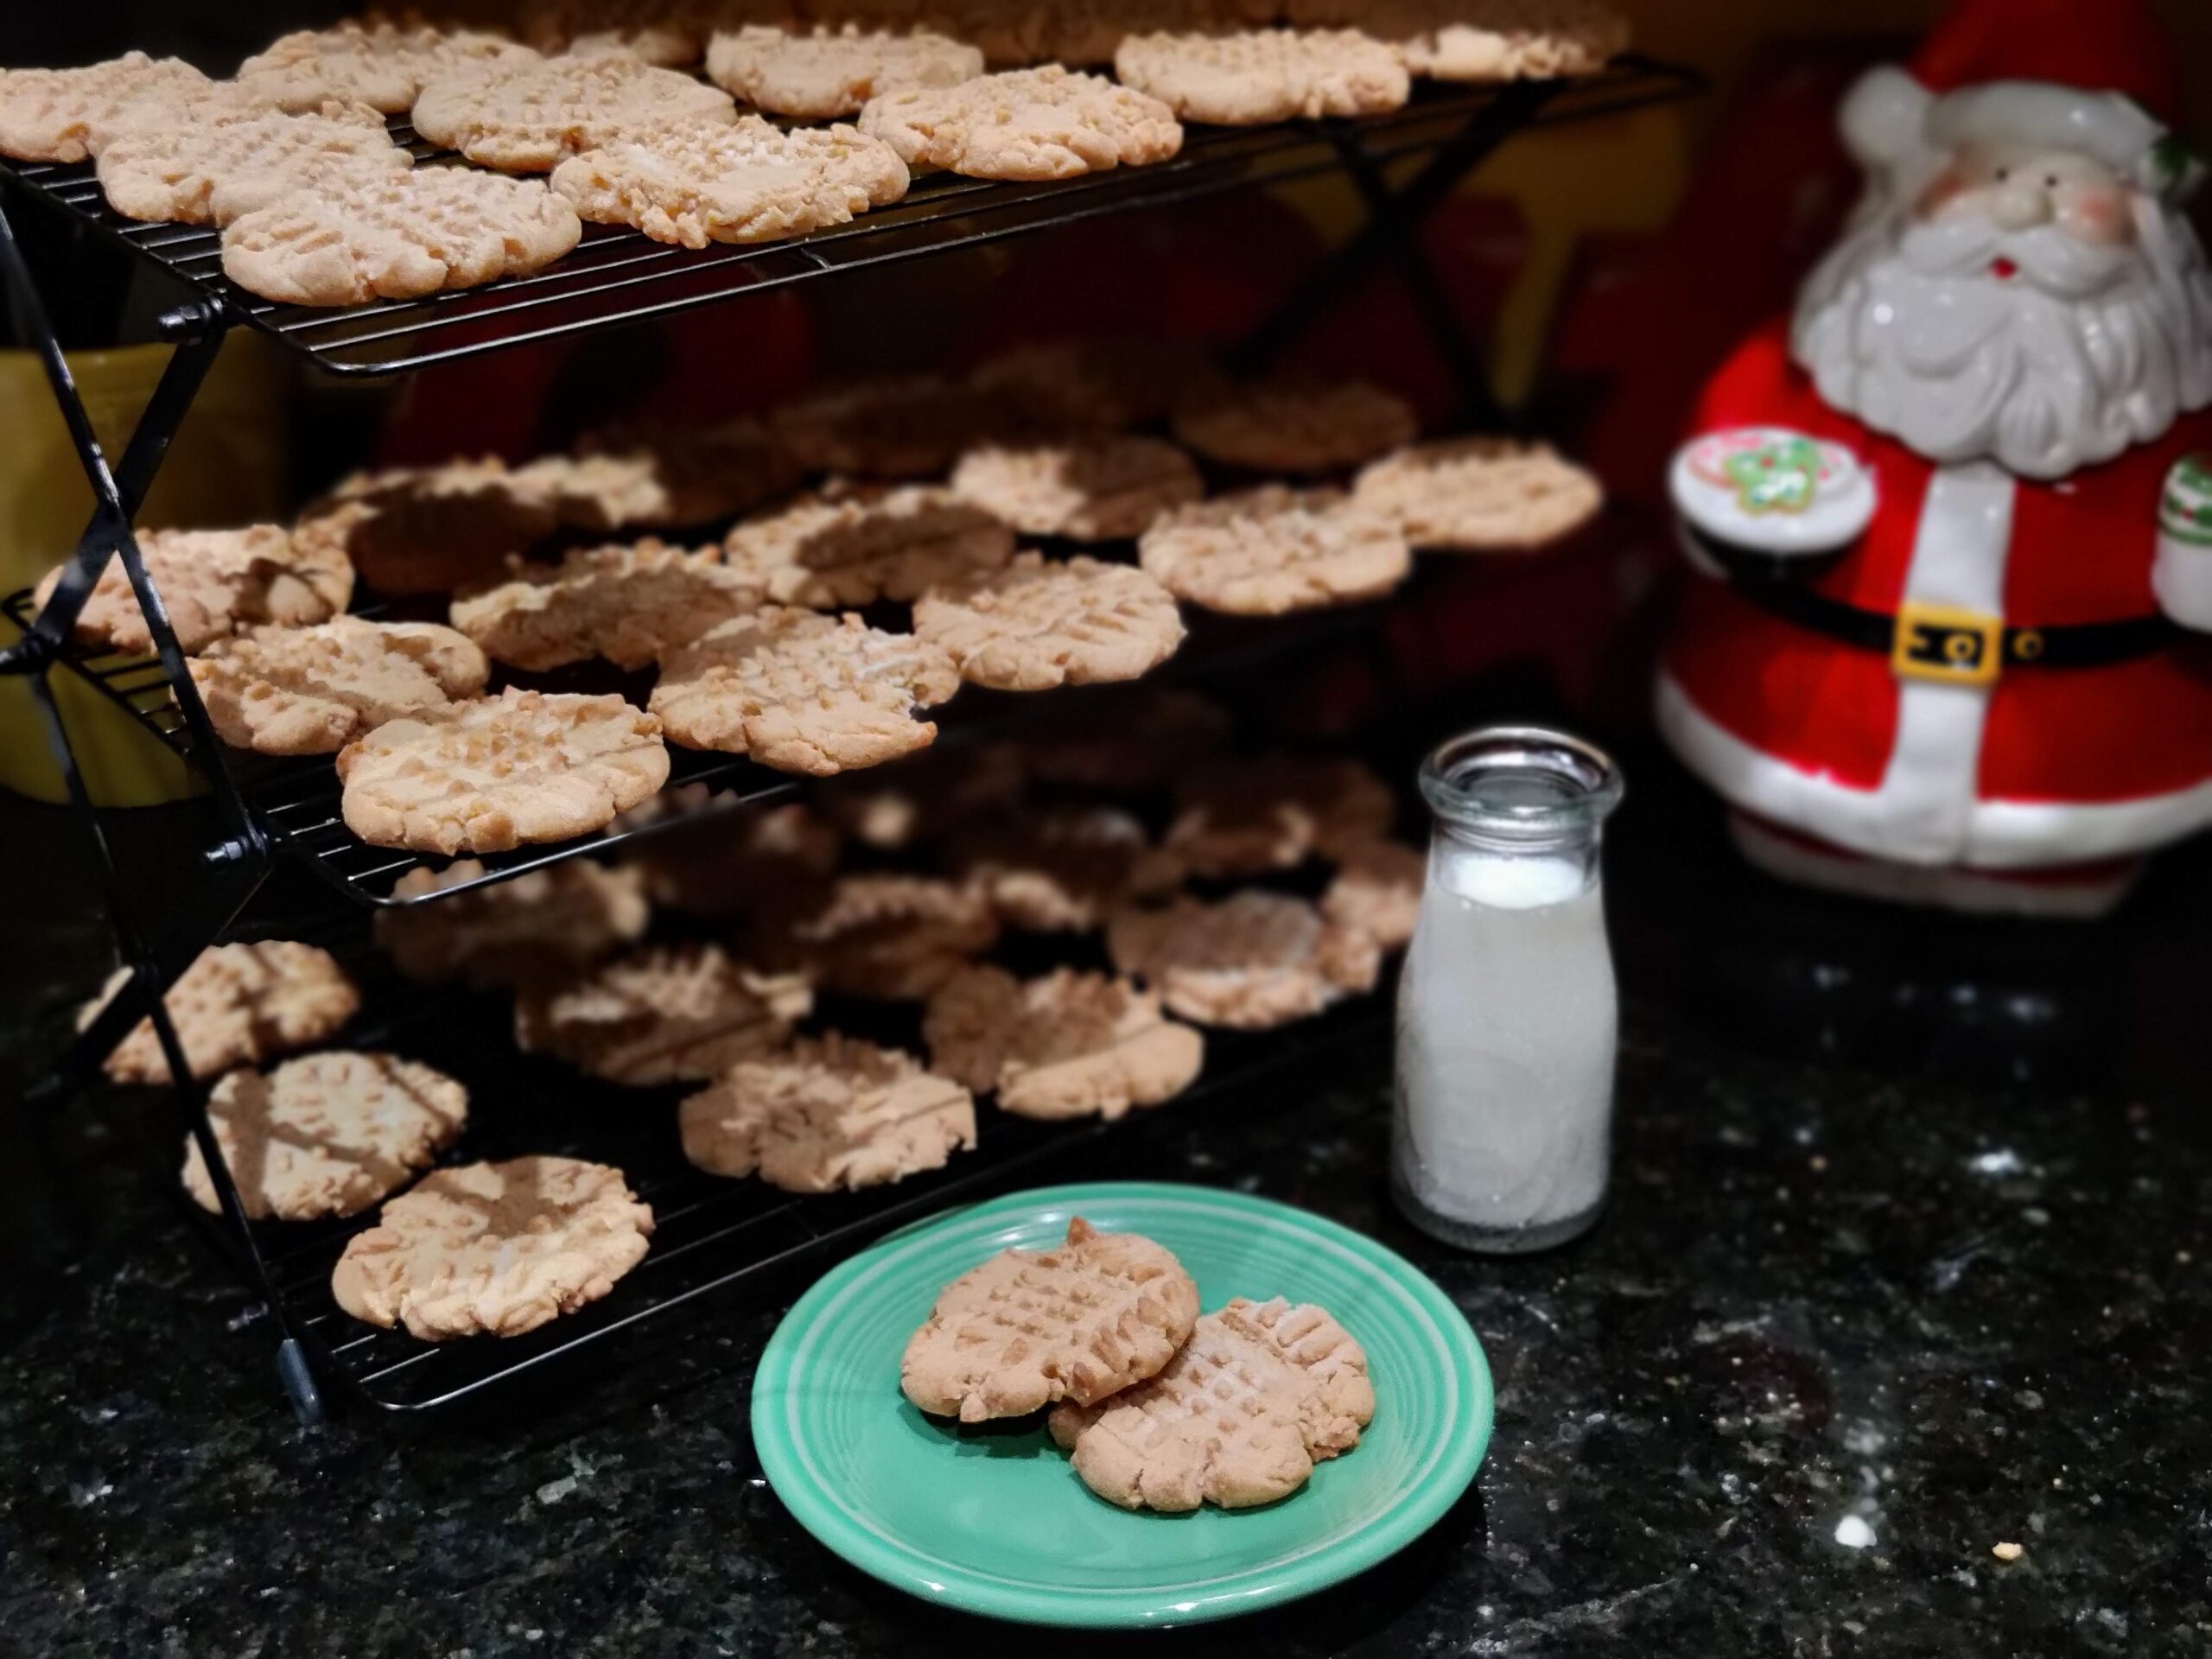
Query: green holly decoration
pixel 2172 170
pixel 1779 476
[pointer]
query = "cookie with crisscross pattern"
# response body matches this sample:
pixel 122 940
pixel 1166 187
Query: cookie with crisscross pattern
pixel 1483 494
pixel 854 545
pixel 528 115
pixel 1095 489
pixel 379 62
pixel 488 775
pixel 1260 1392
pixel 279 690
pixel 397 237
pixel 628 603
pixel 549 921
pixel 222 164
pixel 827 1115
pixel 1066 1046
pixel 1030 1328
pixel 1267 551
pixel 1248 815
pixel 832 71
pixel 1296 424
pixel 56 115
pixel 212 583
pixel 1254 961
pixel 751 182
pixel 880 934
pixel 236 1005
pixel 496 1248
pixel 1042 623
pixel 662 1014
pixel 1059 869
pixel 1250 77
pixel 1027 123
pixel 1483 40
pixel 803 692
pixel 327 1134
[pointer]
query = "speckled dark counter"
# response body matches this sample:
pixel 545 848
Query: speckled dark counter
pixel 1868 1302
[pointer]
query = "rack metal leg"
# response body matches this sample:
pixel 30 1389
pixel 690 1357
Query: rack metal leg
pixel 1478 403
pixel 243 863
pixel 1393 231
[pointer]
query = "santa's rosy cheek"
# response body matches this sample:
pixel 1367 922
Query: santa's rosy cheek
pixel 2096 215
pixel 1941 195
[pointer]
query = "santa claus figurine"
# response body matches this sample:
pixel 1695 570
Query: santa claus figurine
pixel 1957 512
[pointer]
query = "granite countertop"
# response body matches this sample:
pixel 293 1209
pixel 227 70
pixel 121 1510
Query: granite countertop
pixel 1907 1258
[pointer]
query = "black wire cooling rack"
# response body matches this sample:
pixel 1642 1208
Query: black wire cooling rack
pixel 712 1235
pixel 619 275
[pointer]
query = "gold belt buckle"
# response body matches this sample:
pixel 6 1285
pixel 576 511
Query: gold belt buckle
pixel 1950 646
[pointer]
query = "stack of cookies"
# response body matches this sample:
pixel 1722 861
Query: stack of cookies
pixel 1160 1408
pixel 753 654
pixel 814 634
pixel 318 205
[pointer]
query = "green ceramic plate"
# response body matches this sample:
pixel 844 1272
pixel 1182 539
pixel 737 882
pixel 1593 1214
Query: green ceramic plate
pixel 996 1522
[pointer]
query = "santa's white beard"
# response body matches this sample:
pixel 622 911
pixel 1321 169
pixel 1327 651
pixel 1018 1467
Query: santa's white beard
pixel 2083 351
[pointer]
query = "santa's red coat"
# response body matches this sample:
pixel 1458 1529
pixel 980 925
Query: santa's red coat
pixel 2053 765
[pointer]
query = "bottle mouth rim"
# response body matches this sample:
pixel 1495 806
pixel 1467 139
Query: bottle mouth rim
pixel 1580 785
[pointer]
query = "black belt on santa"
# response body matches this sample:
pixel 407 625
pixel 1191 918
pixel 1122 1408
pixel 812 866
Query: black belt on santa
pixel 1931 636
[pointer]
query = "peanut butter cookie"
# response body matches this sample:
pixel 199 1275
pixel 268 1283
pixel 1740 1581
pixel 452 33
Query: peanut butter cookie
pixel 1027 123
pixel 328 1134
pixel 629 603
pixel 53 115
pixel 311 691
pixel 832 71
pixel 827 1115
pixel 1069 1045
pixel 1253 961
pixel 1103 489
pixel 852 545
pixel 1295 424
pixel 1260 1392
pixel 751 182
pixel 1475 495
pixel 490 775
pixel 397 237
pixel 803 692
pixel 213 583
pixel 1271 550
pixel 236 1005
pixel 529 115
pixel 528 927
pixel 1252 77
pixel 496 1248
pixel 1038 624
pixel 663 1014
pixel 1030 1328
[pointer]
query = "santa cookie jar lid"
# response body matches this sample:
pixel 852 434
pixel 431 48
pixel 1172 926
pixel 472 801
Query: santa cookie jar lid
pixel 1767 489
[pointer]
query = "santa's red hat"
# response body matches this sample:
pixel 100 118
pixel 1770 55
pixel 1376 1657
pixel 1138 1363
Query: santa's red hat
pixel 2095 76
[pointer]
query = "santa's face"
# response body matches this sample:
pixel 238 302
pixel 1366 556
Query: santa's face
pixel 2019 189
pixel 2015 303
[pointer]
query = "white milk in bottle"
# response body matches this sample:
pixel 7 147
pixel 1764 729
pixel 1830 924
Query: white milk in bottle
pixel 1508 1018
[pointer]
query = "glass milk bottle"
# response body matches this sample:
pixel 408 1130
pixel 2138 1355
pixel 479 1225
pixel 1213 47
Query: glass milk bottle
pixel 1507 1012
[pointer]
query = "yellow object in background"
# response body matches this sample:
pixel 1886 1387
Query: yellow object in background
pixel 228 465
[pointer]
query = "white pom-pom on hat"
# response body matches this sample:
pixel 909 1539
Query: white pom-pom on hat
pixel 1884 117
